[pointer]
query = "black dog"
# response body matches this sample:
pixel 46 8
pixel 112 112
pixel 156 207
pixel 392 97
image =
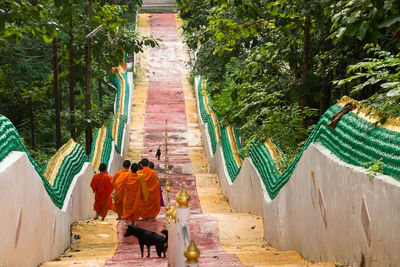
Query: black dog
pixel 148 238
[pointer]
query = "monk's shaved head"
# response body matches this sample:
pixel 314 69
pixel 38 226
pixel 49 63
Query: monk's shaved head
pixel 134 167
pixel 126 164
pixel 102 167
pixel 145 162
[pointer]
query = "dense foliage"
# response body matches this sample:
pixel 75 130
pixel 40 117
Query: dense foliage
pixel 271 65
pixel 43 67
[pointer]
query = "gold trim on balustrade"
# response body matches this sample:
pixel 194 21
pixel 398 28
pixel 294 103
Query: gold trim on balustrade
pixel 272 149
pixel 370 115
pixel 98 149
pixel 216 127
pixel 114 131
pixel 205 98
pixel 55 162
pixel 122 95
pixel 234 146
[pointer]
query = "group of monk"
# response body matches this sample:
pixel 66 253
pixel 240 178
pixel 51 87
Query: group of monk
pixel 137 192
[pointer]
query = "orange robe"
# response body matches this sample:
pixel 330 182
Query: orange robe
pixel 102 189
pixel 119 186
pixel 116 174
pixel 147 209
pixel 132 186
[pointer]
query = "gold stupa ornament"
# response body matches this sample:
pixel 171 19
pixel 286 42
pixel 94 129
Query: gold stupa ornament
pixel 192 253
pixel 183 198
pixel 172 213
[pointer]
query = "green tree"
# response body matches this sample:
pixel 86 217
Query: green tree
pixel 270 64
pixel 40 40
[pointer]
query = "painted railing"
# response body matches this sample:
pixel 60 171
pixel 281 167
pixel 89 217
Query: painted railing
pixel 354 140
pixel 182 251
pixel 68 161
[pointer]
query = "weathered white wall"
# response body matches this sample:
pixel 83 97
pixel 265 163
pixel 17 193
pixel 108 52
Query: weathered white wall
pixel 44 229
pixel 328 211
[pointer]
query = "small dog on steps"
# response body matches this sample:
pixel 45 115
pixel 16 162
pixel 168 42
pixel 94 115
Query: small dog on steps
pixel 149 238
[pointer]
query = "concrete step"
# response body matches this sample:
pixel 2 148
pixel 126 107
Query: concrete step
pixel 158 8
pixel 95 242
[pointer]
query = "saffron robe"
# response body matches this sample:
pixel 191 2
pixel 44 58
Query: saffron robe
pixel 119 186
pixel 132 186
pixel 116 174
pixel 147 204
pixel 102 189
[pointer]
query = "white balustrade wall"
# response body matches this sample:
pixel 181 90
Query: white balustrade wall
pixel 328 211
pixel 33 230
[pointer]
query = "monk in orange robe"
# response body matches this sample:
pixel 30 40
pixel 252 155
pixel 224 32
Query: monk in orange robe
pixel 119 193
pixel 118 197
pixel 131 191
pixel 125 166
pixel 151 165
pixel 147 203
pixel 102 189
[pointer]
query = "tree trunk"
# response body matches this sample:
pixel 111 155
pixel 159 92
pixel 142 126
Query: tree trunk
pixel 324 103
pixel 100 94
pixel 57 96
pixel 326 89
pixel 303 101
pixel 88 130
pixel 32 124
pixel 71 81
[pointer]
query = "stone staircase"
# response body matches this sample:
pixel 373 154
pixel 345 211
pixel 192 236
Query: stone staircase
pixel 224 238
pixel 128 251
pixel 242 233
pixel 158 6
pixel 92 243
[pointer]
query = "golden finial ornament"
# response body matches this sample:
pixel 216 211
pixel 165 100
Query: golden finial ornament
pixel 192 253
pixel 168 213
pixel 183 198
pixel 173 213
pixel 168 188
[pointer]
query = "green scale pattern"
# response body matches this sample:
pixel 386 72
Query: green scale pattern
pixel 127 94
pixel 206 118
pixel 354 140
pixel 117 83
pixel 107 147
pixel 96 134
pixel 72 163
pixel 71 166
pixel 121 125
pixel 230 163
pixel 203 112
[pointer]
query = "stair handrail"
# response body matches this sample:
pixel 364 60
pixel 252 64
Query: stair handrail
pixel 182 252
